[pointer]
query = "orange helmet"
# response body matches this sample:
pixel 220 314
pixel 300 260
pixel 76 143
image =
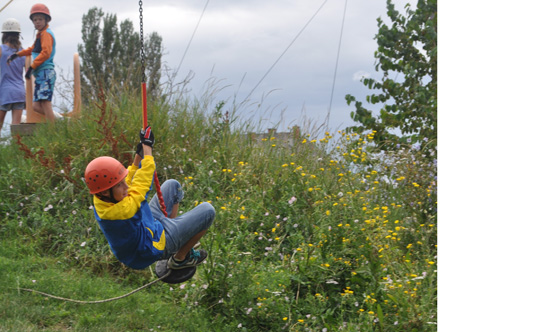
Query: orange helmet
pixel 103 173
pixel 40 8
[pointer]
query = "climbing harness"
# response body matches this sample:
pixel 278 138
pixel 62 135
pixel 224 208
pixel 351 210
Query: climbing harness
pixel 144 107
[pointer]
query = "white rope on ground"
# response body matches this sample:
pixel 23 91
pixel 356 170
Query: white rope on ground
pixel 99 301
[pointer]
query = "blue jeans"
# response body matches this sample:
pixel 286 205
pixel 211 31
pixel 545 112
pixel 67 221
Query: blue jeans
pixel 179 230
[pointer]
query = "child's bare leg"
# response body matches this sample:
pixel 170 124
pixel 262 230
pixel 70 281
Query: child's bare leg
pixel 44 107
pixel 16 116
pixel 48 110
pixel 174 212
pixel 182 253
pixel 2 117
pixel 37 107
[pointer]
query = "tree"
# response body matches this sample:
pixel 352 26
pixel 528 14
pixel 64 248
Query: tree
pixel 111 56
pixel 407 57
pixel 154 47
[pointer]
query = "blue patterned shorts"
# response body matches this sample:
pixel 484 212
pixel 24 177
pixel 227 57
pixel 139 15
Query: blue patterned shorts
pixel 44 85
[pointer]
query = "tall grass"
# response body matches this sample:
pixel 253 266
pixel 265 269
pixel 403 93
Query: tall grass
pixel 316 234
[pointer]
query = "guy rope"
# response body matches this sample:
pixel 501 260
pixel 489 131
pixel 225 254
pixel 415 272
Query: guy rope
pixel 1 9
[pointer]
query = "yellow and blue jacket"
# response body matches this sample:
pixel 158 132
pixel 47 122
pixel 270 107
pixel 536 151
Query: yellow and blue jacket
pixel 135 237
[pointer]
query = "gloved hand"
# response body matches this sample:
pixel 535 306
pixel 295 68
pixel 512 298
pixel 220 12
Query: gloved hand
pixel 139 150
pixel 146 136
pixel 29 73
pixel 12 57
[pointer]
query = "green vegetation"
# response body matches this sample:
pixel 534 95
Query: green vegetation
pixel 111 56
pixel 306 237
pixel 407 57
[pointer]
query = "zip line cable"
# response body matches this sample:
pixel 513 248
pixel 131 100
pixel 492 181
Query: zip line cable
pixel 279 58
pixel 337 62
pixel 192 36
pixel 6 5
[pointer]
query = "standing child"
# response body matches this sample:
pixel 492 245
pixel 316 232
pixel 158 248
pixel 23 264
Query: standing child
pixel 12 87
pixel 138 232
pixel 42 66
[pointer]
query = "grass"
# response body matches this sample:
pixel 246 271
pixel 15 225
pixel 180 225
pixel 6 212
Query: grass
pixel 320 234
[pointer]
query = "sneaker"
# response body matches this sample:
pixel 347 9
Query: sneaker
pixel 194 258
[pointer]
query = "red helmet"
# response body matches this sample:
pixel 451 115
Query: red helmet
pixel 103 173
pixel 40 8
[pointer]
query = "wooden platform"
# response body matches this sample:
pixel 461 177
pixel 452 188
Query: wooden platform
pixel 23 129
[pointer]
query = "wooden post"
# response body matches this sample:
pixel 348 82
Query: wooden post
pixel 32 116
pixel 296 132
pixel 77 100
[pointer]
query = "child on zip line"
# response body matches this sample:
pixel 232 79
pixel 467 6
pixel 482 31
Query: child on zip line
pixel 42 66
pixel 138 232
pixel 12 86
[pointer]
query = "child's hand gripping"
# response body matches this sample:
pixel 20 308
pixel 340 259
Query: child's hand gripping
pixel 147 137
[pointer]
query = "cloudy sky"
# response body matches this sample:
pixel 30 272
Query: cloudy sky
pixel 238 42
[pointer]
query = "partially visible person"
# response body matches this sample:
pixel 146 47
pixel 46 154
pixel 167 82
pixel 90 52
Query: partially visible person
pixel 42 66
pixel 12 86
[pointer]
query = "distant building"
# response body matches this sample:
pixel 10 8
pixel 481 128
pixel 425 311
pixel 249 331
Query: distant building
pixel 288 138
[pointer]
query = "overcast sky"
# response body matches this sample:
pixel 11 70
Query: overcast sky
pixel 238 42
